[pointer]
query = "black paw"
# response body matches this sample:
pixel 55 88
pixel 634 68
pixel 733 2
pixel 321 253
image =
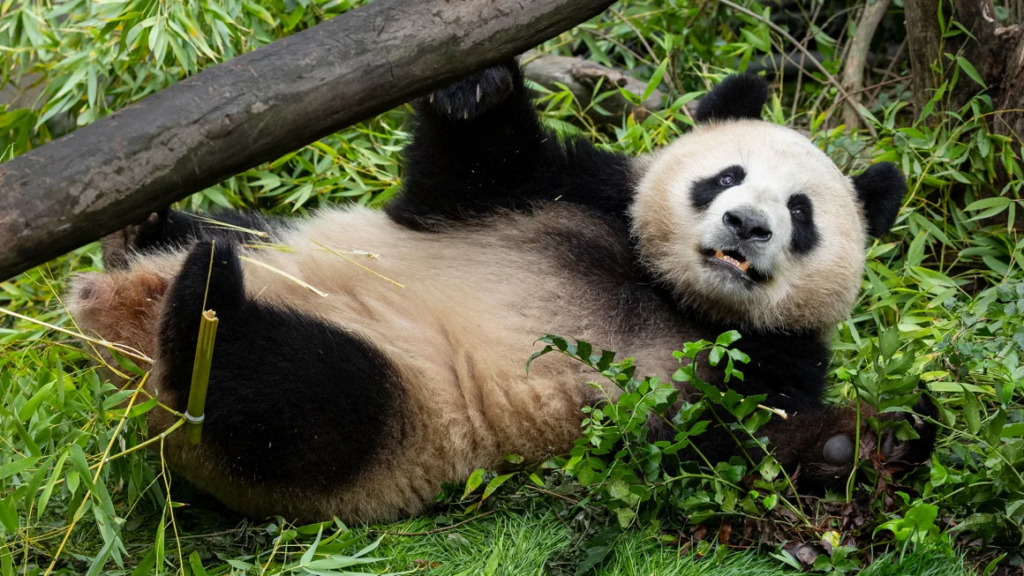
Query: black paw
pixel 827 460
pixel 119 246
pixel 478 93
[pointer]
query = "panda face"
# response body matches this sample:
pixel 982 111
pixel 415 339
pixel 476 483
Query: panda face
pixel 751 224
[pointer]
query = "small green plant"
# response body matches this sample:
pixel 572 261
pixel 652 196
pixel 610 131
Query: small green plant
pixel 637 480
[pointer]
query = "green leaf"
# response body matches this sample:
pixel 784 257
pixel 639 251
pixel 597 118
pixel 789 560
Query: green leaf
pixel 15 466
pixel 307 556
pixel 969 69
pixel 81 466
pixel 655 80
pixel 493 562
pixel 972 412
pixel 6 561
pixel 994 428
pixel 473 482
pixel 625 516
pixel 8 514
pixel 716 355
pixel 889 342
pixel 44 498
pixel 494 484
pixel 987 203
pixel 728 338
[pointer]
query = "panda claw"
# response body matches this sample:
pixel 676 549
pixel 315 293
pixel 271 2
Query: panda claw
pixel 478 93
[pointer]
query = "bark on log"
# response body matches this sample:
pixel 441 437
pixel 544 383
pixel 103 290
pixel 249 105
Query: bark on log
pixel 253 109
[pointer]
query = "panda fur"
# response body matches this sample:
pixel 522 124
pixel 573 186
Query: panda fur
pixel 360 403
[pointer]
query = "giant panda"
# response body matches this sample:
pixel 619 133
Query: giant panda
pixel 407 370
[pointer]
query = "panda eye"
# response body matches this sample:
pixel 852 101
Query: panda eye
pixel 798 212
pixel 727 180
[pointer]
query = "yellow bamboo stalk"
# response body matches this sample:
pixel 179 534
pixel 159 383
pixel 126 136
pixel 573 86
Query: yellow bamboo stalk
pixel 196 412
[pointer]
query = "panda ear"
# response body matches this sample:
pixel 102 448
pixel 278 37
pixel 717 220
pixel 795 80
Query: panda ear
pixel 735 98
pixel 880 190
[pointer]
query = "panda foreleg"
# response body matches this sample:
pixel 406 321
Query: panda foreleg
pixel 297 409
pixel 821 443
pixel 478 145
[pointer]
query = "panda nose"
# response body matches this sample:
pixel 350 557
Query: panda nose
pixel 748 224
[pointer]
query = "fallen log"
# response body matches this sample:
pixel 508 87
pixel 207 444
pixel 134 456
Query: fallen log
pixel 253 109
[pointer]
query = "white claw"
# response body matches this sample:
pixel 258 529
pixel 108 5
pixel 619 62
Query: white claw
pixel 479 92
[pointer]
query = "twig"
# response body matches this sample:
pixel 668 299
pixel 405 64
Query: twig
pixel 700 10
pixel 892 65
pixel 803 57
pixel 436 530
pixel 212 534
pixel 350 261
pixel 550 493
pixel 120 349
pixel 302 283
pixel 672 76
pixel 828 76
pixel 865 89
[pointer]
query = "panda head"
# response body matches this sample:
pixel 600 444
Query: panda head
pixel 749 223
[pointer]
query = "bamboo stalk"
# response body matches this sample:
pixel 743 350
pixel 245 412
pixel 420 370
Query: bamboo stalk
pixel 196 411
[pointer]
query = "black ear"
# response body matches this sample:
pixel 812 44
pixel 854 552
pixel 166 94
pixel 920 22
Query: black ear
pixel 880 189
pixel 737 97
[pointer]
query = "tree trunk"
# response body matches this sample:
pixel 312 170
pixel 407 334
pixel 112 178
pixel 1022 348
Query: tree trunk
pixel 996 52
pixel 253 109
pixel 1010 121
pixel 924 42
pixel 860 45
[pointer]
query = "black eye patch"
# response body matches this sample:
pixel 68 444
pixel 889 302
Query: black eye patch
pixel 805 234
pixel 706 190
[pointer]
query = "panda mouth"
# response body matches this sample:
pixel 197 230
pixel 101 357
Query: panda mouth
pixel 736 263
pixel 733 258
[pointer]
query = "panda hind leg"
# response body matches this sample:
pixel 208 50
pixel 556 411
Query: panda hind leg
pixel 295 405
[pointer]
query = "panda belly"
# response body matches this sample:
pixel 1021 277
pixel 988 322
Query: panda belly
pixel 458 332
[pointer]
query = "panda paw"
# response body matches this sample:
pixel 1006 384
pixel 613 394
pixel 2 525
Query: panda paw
pixel 829 461
pixel 476 94
pixel 119 246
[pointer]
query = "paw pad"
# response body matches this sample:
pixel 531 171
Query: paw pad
pixel 838 450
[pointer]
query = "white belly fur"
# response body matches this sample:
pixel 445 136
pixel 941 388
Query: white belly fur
pixel 472 304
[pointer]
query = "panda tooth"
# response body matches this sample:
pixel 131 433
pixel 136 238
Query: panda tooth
pixel 719 254
pixel 744 265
